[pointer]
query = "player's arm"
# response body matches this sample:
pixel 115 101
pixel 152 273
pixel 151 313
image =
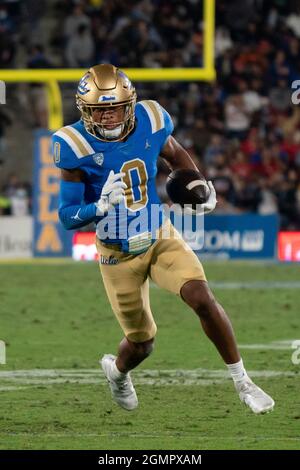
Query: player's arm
pixel 176 156
pixel 73 212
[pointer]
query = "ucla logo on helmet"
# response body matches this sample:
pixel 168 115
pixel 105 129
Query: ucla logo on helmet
pixel 104 98
pixel 98 158
pixel 83 85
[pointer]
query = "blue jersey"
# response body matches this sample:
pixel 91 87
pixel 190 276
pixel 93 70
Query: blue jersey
pixel 136 157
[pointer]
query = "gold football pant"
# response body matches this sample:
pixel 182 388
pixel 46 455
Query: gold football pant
pixel 170 263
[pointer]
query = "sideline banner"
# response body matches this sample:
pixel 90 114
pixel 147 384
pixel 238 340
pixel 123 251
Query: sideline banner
pixel 289 246
pixel 225 237
pixel 50 239
pixel 237 236
pixel 15 237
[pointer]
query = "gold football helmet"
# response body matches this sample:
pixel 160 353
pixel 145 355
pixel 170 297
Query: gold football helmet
pixel 104 86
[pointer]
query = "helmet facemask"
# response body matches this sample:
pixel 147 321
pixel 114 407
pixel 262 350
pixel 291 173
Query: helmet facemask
pixel 99 130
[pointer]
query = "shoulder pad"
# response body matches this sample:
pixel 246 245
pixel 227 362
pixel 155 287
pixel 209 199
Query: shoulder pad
pixel 155 114
pixel 73 144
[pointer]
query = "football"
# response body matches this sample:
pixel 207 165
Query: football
pixel 186 186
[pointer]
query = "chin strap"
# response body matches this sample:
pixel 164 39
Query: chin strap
pixel 110 133
pixel 113 133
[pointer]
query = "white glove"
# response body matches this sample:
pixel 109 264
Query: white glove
pixel 211 202
pixel 207 206
pixel 112 193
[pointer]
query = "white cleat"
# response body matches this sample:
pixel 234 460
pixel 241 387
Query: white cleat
pixel 122 389
pixel 254 397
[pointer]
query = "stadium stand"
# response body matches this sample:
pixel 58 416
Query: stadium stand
pixel 243 129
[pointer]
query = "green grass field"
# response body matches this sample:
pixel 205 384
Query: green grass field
pixel 56 322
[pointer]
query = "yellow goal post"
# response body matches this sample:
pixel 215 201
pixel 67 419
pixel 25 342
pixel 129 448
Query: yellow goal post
pixel 51 77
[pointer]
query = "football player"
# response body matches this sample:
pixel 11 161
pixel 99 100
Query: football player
pixel 108 162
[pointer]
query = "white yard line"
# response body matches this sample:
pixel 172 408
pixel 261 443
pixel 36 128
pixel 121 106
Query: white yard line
pixel 272 346
pixel 21 379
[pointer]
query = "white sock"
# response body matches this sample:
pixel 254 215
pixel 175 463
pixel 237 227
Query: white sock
pixel 237 371
pixel 115 372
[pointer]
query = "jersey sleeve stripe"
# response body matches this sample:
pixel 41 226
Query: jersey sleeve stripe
pixel 155 115
pixel 158 115
pixel 87 146
pixel 150 114
pixel 76 141
pixel 63 135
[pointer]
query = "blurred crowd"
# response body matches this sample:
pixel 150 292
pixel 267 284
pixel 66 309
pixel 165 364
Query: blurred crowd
pixel 242 130
pixel 15 197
